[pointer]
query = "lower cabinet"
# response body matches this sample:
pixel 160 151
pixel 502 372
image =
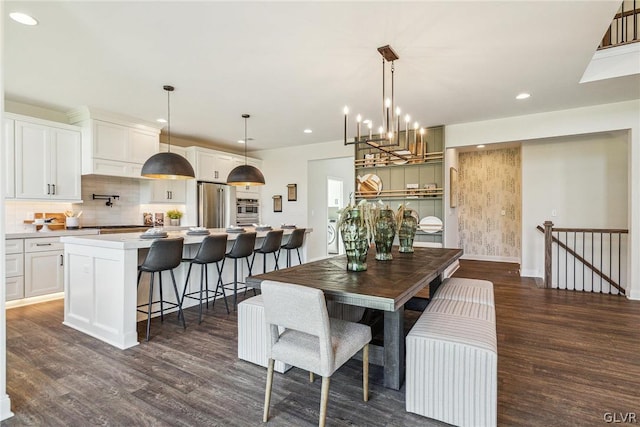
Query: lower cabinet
pixel 34 267
pixel 14 269
pixel 43 273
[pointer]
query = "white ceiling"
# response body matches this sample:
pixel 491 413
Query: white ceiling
pixel 294 65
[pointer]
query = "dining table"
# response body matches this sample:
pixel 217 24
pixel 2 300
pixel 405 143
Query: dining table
pixel 384 285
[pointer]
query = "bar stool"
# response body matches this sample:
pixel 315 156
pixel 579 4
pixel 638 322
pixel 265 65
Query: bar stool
pixel 295 242
pixel 242 248
pixel 212 250
pixel 270 245
pixel 164 254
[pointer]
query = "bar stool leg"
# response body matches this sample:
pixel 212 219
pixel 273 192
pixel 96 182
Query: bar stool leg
pixel 201 282
pixel 175 289
pixel 276 255
pixel 205 268
pixel 235 283
pixel 220 285
pixel 186 283
pixel 161 298
pixel 150 305
pixel 299 259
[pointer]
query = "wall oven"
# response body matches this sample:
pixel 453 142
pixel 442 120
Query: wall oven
pixel 247 212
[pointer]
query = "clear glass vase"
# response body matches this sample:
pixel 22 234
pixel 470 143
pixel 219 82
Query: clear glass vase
pixel 354 236
pixel 407 231
pixel 385 233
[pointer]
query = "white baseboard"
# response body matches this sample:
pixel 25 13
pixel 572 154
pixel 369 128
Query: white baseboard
pixel 530 273
pixel 33 300
pixel 5 408
pixel 491 258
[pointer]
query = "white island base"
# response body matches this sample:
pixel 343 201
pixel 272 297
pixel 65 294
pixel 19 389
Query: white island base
pixel 101 294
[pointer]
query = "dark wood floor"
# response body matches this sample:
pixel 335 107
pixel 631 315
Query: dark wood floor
pixel 564 359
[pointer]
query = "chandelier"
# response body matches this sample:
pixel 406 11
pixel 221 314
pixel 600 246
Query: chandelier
pixel 389 132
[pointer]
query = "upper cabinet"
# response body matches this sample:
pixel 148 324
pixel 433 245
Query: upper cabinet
pixel 114 145
pixel 47 160
pixel 165 190
pixel 9 159
pixel 213 166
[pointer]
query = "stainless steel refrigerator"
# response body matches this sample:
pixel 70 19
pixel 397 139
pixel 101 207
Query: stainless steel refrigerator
pixel 216 205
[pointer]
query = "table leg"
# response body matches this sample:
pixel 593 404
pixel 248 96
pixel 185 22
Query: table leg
pixel 394 348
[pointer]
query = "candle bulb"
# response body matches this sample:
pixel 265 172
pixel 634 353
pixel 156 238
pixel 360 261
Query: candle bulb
pixel 346 117
pixel 358 120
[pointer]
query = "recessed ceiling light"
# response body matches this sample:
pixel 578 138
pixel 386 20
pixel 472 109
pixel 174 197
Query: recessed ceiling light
pixel 308 131
pixel 23 18
pixel 161 120
pixel 523 95
pixel 480 146
pixel 241 141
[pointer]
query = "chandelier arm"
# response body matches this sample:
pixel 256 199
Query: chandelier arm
pixel 374 144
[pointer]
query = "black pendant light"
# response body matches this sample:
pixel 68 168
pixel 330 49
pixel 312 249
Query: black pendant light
pixel 168 165
pixel 245 175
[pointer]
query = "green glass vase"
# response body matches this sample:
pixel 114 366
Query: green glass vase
pixel 407 231
pixel 354 236
pixel 385 233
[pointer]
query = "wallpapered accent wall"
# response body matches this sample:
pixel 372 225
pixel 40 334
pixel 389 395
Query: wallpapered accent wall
pixel 488 183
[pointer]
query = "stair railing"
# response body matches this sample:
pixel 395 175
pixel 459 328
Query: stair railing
pixel 586 259
pixel 624 27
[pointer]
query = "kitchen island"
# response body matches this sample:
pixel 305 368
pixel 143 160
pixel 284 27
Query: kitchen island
pixel 100 281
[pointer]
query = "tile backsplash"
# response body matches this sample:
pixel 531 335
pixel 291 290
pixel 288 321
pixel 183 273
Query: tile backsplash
pixel 126 210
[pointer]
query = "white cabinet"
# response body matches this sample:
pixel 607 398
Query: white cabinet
pixel 14 269
pixel 114 145
pixel 165 190
pixel 253 191
pixel 43 266
pixel 214 166
pixel 9 159
pixel 47 161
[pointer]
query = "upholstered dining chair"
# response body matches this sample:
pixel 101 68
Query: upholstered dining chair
pixel 310 339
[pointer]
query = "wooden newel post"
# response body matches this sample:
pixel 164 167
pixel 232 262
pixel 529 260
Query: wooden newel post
pixel 548 239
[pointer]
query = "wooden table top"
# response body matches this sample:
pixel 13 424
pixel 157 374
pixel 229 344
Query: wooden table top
pixel 385 285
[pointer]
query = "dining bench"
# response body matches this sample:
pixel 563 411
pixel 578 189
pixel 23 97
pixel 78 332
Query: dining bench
pixel 452 356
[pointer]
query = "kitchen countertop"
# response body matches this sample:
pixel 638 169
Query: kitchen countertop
pixel 54 233
pixel 133 240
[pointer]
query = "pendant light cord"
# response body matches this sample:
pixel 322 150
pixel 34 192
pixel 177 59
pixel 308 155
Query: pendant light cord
pixel 245 141
pixel 168 121
pixel 169 89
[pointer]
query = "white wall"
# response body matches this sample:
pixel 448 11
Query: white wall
pixel 319 171
pixel 578 121
pixel 5 402
pixel 290 166
pixel 583 179
pixel 451 233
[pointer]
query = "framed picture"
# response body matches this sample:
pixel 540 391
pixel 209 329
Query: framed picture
pixel 292 192
pixel 453 187
pixel 277 203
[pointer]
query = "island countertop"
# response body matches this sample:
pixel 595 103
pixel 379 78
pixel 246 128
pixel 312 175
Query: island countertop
pixel 134 241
